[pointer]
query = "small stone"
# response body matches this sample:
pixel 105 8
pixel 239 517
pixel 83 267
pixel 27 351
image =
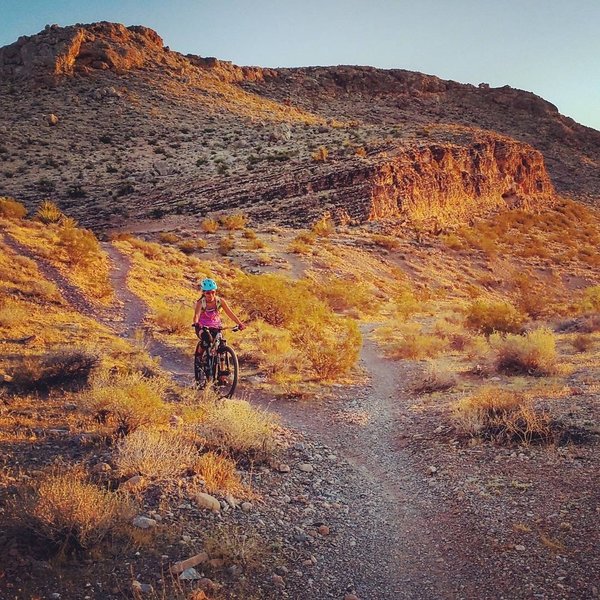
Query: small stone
pixel 283 468
pixel 351 597
pixel 323 530
pixel 52 119
pixel 246 506
pixel 190 575
pixel 143 522
pixel 278 580
pixel 520 548
pixel 207 501
pixel 142 588
pixel 132 483
pixel 306 468
pixel 432 470
pixel 282 570
pixel 55 596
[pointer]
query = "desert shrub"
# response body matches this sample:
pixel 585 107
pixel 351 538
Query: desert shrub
pixel 234 221
pixel 12 314
pixel 191 246
pixel 80 245
pixel 249 234
pixel 209 225
pixel 62 367
pixel 303 243
pixel 488 316
pixel 281 302
pixel 502 415
pixel 453 241
pixel 320 154
pixel 409 341
pixel 271 348
pixel 219 473
pixel 131 400
pixel 237 545
pixel 156 453
pixel 582 342
pixel 150 250
pixel 386 241
pixel 48 212
pixel 73 514
pixel 436 378
pixel 226 245
pixel 237 426
pixel 324 227
pixel 332 350
pixel 342 296
pixel 166 237
pixel 172 319
pixel 11 209
pixel 256 244
pixel 531 354
pixel 590 301
pixel 404 305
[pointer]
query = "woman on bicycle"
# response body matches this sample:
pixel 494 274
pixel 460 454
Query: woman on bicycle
pixel 206 314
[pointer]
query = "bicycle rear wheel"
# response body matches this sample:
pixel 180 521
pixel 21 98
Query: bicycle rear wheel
pixel 227 372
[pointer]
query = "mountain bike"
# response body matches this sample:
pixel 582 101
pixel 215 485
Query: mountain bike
pixel 218 366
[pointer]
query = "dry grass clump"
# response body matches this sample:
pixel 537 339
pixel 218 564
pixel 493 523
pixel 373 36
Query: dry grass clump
pixel 436 378
pixel 386 241
pixel 11 209
pixel 12 313
pixel 48 212
pixel 583 342
pixel 167 237
pixel 173 320
pixel 531 354
pixel 226 245
pixel 72 514
pixel 303 243
pixel 324 227
pixel 236 545
pixel 407 340
pixel 131 400
pixel 344 296
pixel 239 427
pixel 488 316
pixel 234 221
pixel 219 473
pixel 504 416
pixel 80 245
pixel 191 246
pixel 61 367
pixel 209 225
pixel 320 154
pixel 156 453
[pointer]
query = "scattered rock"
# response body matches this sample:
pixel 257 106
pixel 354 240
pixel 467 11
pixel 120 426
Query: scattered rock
pixel 143 522
pixel 306 468
pixel 323 530
pixel 52 119
pixel 133 483
pixel 278 581
pixel 207 501
pixel 101 468
pixel 141 588
pixel 190 575
pixel 246 506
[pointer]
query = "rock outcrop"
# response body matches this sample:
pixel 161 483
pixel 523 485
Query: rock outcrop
pixel 82 48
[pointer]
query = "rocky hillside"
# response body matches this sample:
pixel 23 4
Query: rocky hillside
pixel 113 125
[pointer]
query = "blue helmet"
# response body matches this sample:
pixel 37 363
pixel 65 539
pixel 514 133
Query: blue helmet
pixel 208 285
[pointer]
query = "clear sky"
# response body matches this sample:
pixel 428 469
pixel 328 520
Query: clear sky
pixel 549 47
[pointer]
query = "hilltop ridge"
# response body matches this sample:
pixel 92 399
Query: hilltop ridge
pixel 139 129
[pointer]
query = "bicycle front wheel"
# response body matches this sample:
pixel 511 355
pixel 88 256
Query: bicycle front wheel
pixel 227 372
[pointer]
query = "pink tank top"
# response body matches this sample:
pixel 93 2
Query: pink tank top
pixel 210 318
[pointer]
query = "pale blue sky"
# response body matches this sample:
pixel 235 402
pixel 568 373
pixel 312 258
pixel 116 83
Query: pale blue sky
pixel 549 47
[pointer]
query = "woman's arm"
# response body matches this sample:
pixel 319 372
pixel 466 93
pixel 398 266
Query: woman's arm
pixel 197 311
pixel 231 314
